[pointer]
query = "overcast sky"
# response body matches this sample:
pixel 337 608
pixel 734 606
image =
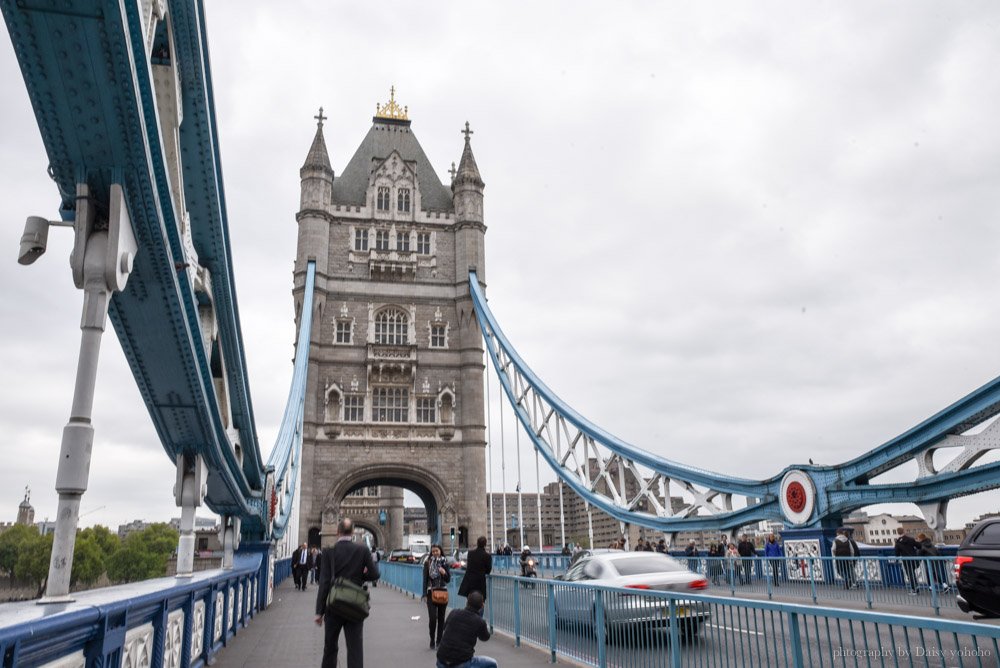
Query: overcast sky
pixel 740 235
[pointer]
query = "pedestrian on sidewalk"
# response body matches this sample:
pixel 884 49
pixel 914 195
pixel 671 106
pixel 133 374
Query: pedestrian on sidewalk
pixel 300 566
pixel 716 553
pixel 691 552
pixel 775 558
pixel 457 648
pixel 436 576
pixel 747 552
pixel 350 561
pixel 936 576
pixel 907 548
pixel 845 551
pixel 478 564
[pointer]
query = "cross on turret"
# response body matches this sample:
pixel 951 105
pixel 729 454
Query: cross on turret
pixel 467 131
pixel 320 118
pixel 453 171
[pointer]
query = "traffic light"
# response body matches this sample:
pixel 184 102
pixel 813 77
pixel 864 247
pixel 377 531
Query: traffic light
pixel 453 534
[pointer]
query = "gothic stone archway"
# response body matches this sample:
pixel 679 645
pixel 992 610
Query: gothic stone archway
pixel 429 487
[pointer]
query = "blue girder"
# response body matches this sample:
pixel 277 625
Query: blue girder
pixel 88 72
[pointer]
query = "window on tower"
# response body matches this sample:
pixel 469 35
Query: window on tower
pixel 390 404
pixel 438 336
pixel 383 198
pixel 391 328
pixel 423 243
pixel 360 240
pixel 382 240
pixel 354 408
pixel 426 409
pixel 403 200
pixel 403 242
pixel 343 331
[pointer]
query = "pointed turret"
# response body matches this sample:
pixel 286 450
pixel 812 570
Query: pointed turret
pixel 467 185
pixel 316 172
pixel 318 158
pixel 317 193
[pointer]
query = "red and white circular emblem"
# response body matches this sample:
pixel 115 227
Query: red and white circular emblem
pixel 797 497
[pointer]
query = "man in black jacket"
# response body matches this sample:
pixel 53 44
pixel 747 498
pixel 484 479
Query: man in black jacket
pixel 458 646
pixel 906 546
pixel 478 565
pixel 352 561
pixel 747 551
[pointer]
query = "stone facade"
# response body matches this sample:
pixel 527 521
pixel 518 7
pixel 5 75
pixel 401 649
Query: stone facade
pixel 396 361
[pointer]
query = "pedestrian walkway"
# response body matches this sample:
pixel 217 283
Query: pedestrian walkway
pixel 395 635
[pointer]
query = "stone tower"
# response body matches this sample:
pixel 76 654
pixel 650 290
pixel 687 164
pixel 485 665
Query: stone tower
pixel 396 364
pixel 25 513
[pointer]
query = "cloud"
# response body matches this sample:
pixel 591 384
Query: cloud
pixel 738 236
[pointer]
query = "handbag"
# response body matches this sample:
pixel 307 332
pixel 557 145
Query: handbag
pixel 348 600
pixel 439 596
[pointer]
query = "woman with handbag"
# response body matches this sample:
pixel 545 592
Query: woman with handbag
pixel 436 577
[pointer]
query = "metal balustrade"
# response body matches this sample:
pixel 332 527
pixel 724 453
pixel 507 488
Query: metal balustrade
pixel 876 581
pixel 169 622
pixel 605 626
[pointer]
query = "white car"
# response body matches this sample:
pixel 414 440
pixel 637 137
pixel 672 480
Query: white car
pixel 642 571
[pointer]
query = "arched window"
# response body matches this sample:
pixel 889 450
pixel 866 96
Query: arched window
pixel 403 200
pixel 391 327
pixel 383 198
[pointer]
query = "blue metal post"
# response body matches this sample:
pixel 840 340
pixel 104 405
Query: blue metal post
pixel 868 589
pixel 601 630
pixel 517 613
pixel 675 637
pixel 489 597
pixel 929 565
pixel 796 638
pixel 812 579
pixel 550 591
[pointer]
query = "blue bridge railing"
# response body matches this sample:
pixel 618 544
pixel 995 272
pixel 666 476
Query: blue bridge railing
pixel 604 626
pixel 169 621
pixel 924 582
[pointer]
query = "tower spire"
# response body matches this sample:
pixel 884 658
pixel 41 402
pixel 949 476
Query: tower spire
pixel 468 171
pixel 318 158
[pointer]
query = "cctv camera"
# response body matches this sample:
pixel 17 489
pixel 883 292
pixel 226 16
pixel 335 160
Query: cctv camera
pixel 34 239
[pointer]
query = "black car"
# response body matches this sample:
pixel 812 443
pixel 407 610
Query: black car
pixel 977 569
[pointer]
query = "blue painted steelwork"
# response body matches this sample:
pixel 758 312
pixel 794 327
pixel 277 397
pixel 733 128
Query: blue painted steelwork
pixel 633 485
pixel 123 94
pixel 103 623
pixel 286 456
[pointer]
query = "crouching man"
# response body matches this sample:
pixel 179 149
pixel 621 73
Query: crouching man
pixel 461 630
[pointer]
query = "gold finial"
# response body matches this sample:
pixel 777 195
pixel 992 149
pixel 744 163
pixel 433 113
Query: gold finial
pixel 390 109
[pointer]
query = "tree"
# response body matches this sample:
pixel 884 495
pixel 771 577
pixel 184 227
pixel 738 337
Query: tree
pixel 11 542
pixel 106 540
pixel 33 560
pixel 88 560
pixel 143 554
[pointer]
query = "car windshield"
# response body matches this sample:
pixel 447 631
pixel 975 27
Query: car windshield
pixel 644 564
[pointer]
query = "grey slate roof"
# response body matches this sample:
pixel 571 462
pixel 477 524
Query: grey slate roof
pixel 382 139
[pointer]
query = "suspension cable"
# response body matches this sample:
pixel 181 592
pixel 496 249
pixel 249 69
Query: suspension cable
pixel 489 459
pixel 503 471
pixel 520 505
pixel 538 500
pixel 562 515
